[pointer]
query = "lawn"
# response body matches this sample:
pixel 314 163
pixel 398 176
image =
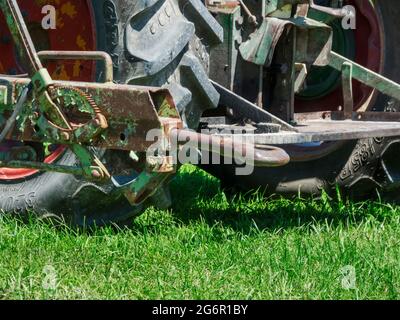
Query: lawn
pixel 211 247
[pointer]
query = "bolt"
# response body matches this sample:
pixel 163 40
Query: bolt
pixel 65 136
pixel 253 20
pixel 96 174
pixel 24 156
pixel 168 11
pixel 162 19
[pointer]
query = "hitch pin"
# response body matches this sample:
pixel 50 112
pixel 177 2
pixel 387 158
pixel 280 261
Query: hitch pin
pixel 267 156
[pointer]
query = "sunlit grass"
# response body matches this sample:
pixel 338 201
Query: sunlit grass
pixel 211 247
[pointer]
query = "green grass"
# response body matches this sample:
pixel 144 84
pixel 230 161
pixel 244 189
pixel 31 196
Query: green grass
pixel 208 247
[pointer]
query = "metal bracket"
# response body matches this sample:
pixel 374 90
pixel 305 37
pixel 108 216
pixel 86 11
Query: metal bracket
pixel 366 76
pixel 42 80
pixel 347 85
pixel 3 94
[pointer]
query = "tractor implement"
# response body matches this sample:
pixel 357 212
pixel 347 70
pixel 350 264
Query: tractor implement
pixel 278 85
pixel 83 116
pixel 295 79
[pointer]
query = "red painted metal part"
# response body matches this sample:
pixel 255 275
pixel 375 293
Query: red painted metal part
pixel 15 174
pixel 369 53
pixel 75 32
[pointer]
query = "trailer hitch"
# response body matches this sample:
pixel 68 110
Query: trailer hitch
pixel 147 183
pixel 234 148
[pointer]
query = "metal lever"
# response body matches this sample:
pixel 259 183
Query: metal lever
pixel 17 110
pixel 339 13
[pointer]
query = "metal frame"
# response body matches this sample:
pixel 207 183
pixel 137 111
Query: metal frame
pixel 111 116
pixel 282 24
pixel 118 117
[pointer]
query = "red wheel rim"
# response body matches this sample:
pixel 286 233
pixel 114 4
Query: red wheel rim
pixel 75 31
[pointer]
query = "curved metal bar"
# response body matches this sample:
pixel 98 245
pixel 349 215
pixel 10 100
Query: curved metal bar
pixel 82 55
pixel 263 156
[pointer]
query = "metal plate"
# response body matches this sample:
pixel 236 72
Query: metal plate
pixel 131 111
pixel 317 130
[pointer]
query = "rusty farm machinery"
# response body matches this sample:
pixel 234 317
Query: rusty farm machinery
pixel 96 114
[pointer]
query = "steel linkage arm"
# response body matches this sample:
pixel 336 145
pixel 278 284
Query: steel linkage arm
pixel 366 76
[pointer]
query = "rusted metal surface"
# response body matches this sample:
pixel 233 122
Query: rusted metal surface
pixel 244 109
pixel 313 46
pixel 222 4
pixel 260 47
pixel 265 156
pixel 83 115
pixel 130 112
pixel 356 116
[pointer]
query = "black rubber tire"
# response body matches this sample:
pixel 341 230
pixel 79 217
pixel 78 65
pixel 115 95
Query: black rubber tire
pixel 125 31
pixel 358 168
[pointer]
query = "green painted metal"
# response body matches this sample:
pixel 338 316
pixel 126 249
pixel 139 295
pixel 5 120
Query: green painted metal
pixel 43 110
pixel 42 80
pixel 3 95
pixel 367 77
pixel 224 58
pixel 275 5
pixel 260 48
pixel 321 81
pixel 347 88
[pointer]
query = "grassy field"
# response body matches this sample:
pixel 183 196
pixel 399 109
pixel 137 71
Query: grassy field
pixel 207 247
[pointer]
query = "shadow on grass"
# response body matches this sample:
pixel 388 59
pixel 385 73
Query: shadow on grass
pixel 198 197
